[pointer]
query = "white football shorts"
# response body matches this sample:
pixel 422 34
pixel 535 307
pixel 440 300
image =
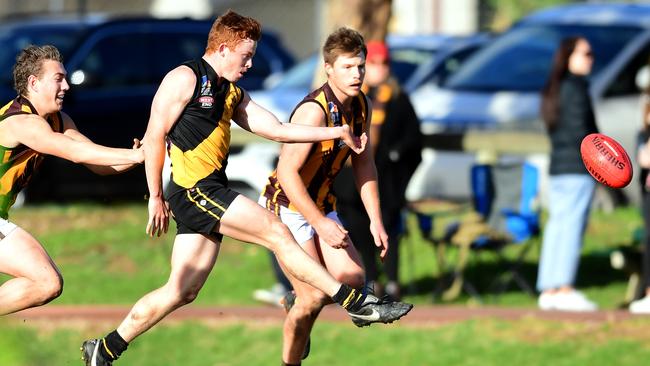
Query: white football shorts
pixel 298 225
pixel 6 227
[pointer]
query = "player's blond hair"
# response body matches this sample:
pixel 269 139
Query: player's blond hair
pixel 343 41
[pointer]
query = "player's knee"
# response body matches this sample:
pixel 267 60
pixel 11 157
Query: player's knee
pixel 279 234
pixel 50 288
pixel 353 279
pixel 307 309
pixel 184 297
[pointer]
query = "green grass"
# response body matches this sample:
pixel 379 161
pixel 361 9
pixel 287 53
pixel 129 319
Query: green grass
pixel 107 259
pixel 488 342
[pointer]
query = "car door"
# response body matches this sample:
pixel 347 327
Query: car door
pixel 618 111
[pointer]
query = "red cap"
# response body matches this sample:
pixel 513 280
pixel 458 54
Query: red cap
pixel 377 49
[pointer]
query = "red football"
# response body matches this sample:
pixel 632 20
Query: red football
pixel 606 160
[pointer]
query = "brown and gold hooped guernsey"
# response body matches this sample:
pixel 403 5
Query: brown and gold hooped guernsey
pixel 199 142
pixel 325 158
pixel 20 162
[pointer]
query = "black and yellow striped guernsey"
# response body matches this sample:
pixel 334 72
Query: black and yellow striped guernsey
pixel 325 158
pixel 20 162
pixel 199 142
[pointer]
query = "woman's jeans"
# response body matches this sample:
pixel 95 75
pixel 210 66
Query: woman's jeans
pixel 569 202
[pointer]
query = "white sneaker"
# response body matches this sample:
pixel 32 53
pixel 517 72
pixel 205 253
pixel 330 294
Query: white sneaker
pixel 573 301
pixel 272 296
pixel 641 306
pixel 545 301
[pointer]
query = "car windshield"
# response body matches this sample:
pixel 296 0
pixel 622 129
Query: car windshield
pixel 404 61
pixel 520 60
pixel 13 39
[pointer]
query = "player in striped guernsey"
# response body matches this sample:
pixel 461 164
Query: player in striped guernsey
pixel 32 126
pixel 300 193
pixel 191 112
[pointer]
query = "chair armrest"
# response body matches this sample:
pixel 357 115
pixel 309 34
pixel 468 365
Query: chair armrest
pixel 521 226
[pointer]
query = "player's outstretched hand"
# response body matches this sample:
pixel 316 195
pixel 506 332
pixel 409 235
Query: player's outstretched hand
pixel 138 149
pixel 158 216
pixel 357 144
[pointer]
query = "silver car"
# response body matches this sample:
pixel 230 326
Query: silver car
pixel 490 106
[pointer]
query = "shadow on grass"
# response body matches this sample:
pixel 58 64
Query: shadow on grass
pixel 483 270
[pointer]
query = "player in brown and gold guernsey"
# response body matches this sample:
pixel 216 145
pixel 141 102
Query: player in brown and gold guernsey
pixel 192 110
pixel 300 193
pixel 32 126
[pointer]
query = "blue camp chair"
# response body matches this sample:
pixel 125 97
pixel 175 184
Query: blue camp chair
pixel 506 212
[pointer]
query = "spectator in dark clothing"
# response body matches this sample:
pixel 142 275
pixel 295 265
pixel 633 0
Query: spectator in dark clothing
pixel 642 306
pixel 395 140
pixel 569 117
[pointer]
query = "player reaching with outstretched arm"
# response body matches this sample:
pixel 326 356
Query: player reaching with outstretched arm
pixel 192 111
pixel 31 126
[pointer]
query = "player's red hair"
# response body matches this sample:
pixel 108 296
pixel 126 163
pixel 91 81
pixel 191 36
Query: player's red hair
pixel 231 28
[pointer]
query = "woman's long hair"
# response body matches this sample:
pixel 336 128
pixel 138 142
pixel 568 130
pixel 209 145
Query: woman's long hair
pixel 551 90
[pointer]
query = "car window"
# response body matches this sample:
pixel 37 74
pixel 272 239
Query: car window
pixel 172 49
pixel 299 76
pixel 520 60
pixel 120 60
pixel 625 83
pixel 403 63
pixel 14 39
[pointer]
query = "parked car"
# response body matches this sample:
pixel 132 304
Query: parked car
pixel 492 101
pixel 414 60
pixel 114 67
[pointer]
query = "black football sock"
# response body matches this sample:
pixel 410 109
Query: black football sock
pixel 113 345
pixel 349 298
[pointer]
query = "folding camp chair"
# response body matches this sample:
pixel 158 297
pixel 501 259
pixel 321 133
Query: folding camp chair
pixel 506 211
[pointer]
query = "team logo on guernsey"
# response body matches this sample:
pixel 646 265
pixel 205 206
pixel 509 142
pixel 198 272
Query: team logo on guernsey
pixel 335 115
pixel 206 98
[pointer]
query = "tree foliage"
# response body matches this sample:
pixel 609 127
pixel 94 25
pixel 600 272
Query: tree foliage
pixel 506 12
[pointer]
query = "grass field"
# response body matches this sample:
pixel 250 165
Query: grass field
pixel 525 342
pixel 106 259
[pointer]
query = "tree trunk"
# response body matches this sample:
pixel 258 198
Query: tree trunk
pixel 369 17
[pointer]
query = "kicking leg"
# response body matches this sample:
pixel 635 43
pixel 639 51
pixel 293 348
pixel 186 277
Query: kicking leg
pixel 36 279
pixel 247 221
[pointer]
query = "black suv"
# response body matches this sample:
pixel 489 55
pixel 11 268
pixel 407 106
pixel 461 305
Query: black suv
pixel 114 68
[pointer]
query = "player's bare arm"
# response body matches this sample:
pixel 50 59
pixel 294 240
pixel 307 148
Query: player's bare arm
pixel 70 129
pixel 365 175
pixel 33 131
pixel 254 118
pixel 171 98
pixel 292 158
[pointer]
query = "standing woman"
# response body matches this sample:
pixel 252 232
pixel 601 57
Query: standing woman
pixel 642 306
pixel 569 117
